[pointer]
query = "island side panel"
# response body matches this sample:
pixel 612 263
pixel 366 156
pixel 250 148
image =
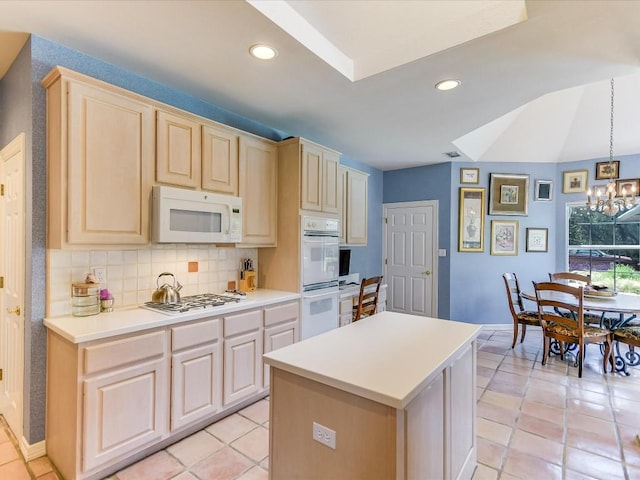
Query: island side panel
pixel 365 432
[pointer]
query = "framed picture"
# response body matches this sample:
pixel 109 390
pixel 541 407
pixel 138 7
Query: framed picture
pixel 575 181
pixel 469 175
pixel 630 186
pixel 509 194
pixel 504 237
pixel 544 191
pixel 537 239
pixel 471 220
pixel 608 171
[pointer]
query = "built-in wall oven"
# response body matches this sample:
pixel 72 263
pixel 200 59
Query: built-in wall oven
pixel 319 273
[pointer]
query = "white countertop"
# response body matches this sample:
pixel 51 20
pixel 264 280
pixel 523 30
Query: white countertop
pixel 388 358
pixel 135 319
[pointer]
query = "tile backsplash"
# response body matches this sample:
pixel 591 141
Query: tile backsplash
pixel 132 274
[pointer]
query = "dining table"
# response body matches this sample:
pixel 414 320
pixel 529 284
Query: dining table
pixel 616 310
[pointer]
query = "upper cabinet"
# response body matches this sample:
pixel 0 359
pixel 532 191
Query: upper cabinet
pixel 353 190
pixel 258 188
pixel 219 159
pixel 319 178
pixel 100 147
pixel 177 149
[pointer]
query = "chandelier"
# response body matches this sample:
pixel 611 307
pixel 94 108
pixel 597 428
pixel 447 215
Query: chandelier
pixel 609 201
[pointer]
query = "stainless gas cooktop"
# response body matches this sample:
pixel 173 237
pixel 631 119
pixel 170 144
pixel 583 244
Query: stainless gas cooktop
pixel 196 302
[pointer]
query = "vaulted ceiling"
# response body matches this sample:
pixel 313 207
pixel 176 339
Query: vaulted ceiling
pixel 359 76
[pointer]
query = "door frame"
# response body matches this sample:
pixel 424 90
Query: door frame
pixel 434 257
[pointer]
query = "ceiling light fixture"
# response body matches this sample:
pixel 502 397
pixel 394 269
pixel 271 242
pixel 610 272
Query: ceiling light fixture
pixel 449 84
pixel 610 202
pixel 263 52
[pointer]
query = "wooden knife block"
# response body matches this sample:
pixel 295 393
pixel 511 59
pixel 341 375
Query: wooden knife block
pixel 248 281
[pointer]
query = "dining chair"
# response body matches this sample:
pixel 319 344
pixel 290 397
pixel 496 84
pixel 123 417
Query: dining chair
pixel 581 280
pixel 568 328
pixel 631 336
pixel 516 307
pixel 368 298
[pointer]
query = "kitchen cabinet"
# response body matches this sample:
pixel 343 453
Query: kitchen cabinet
pixel 319 178
pixel 258 171
pixel 196 372
pixel 354 209
pixel 281 328
pixel 116 372
pixel 219 159
pixel 100 151
pixel 242 356
pixel 178 149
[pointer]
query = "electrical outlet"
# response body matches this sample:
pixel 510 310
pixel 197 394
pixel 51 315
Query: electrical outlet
pixel 100 274
pixel 324 435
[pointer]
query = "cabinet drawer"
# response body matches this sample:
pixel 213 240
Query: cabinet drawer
pixel 281 313
pixel 123 351
pixel 346 306
pixel 195 334
pixel 241 323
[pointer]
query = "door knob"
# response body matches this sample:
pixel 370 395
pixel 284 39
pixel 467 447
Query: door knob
pixel 426 272
pixel 14 310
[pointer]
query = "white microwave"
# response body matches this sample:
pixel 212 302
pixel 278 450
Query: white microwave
pixel 190 216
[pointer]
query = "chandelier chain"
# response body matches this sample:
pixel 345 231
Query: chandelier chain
pixel 611 135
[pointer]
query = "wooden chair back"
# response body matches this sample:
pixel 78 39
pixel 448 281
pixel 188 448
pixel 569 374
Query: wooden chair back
pixel 567 277
pixel 567 311
pixel 368 298
pixel 513 294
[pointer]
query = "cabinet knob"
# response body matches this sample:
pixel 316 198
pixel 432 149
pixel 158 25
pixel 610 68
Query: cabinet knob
pixel 14 310
pixel 426 272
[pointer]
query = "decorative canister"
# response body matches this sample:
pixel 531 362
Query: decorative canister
pixel 85 299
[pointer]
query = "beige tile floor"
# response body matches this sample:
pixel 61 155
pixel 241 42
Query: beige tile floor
pixel 534 422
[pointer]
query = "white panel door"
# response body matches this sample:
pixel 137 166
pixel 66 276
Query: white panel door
pixel 411 257
pixel 12 267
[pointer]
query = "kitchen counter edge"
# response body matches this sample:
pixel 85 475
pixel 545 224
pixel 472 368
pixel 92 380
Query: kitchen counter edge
pixel 135 319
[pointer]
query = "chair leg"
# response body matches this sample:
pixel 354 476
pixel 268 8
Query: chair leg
pixel 607 355
pixel 545 352
pixel 524 331
pixel 580 357
pixel 561 350
pixel 515 334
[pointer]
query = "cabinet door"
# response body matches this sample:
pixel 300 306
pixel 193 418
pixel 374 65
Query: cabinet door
pixel 342 196
pixel 124 410
pixel 356 208
pixel 346 310
pixel 219 160
pixel 196 380
pixel 258 189
pixel 242 366
pixel 462 414
pixel 109 167
pixel 330 182
pixel 277 337
pixel 178 149
pixel 311 178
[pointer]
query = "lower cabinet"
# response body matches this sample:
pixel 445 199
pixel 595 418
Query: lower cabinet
pixel 108 400
pixel 242 356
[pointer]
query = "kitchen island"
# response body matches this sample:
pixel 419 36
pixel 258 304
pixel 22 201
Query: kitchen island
pixel 394 393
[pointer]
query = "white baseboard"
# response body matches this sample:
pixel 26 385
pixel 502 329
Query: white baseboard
pixel 497 326
pixel 31 451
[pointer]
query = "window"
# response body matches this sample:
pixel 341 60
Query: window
pixel 606 248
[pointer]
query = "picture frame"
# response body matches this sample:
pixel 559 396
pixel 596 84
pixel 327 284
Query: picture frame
pixel 537 240
pixel 575 181
pixel 471 207
pixel 543 191
pixel 628 185
pixel 504 237
pixel 509 194
pixel 469 175
pixel 607 171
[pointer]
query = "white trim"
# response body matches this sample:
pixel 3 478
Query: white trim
pixel 33 451
pixel 497 326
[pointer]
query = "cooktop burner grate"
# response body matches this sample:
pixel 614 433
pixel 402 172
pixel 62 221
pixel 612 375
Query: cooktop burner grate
pixel 193 302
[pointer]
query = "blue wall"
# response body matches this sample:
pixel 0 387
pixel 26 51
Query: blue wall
pixel 432 182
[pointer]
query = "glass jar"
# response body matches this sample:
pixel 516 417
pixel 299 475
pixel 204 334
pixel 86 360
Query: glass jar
pixel 85 299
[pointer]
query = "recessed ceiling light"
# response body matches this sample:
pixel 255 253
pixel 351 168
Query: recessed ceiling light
pixel 448 84
pixel 263 52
